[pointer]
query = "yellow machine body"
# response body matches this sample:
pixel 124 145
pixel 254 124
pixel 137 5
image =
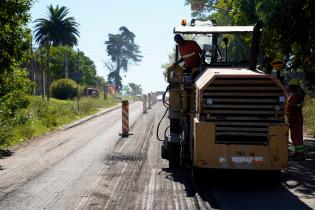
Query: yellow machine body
pixel 208 154
pixel 240 128
pixel 227 114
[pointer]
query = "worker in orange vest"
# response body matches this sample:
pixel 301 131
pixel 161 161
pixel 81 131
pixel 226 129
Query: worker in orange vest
pixel 295 117
pixel 190 53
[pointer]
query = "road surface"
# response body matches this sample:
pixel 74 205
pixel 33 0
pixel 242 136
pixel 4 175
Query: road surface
pixel 90 167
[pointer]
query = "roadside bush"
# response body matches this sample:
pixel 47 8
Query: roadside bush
pixel 14 89
pixel 47 113
pixel 63 89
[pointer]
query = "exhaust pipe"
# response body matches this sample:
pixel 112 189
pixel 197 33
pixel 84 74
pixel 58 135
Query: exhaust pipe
pixel 255 45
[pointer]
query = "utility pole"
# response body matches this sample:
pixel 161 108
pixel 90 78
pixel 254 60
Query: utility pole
pixel 66 65
pixel 33 65
pixel 78 80
pixel 48 69
pixel 105 91
pixel 43 76
pixel 34 73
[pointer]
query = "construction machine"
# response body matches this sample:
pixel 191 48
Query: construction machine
pixel 231 115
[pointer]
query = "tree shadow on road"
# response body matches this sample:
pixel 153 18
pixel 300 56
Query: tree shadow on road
pixel 5 153
pixel 183 177
pixel 245 191
pixel 300 176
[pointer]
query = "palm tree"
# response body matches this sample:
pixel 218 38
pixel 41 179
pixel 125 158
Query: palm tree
pixel 56 29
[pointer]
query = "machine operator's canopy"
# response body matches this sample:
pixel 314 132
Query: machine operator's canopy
pixel 234 52
pixel 207 27
pixel 212 29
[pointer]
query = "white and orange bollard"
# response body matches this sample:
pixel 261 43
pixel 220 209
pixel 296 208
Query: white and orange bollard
pixel 144 98
pixel 125 119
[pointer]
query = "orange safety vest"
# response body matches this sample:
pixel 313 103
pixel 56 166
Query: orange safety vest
pixel 190 51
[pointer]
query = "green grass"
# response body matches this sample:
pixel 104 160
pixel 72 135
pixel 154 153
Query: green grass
pixel 46 116
pixel 309 113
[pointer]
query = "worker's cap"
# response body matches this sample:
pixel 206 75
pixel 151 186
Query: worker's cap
pixel 178 38
pixel 294 82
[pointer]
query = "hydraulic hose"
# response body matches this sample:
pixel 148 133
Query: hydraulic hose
pixel 163 98
pixel 158 127
pixel 167 108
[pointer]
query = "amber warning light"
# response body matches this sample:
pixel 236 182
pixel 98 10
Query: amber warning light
pixel 184 22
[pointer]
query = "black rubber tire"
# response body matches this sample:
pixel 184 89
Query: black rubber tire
pixel 174 155
pixel 185 153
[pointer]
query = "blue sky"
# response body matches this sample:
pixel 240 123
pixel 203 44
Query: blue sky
pixel 152 21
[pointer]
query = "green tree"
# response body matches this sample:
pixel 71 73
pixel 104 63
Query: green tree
pixel 14 102
pixel 56 29
pixel 87 69
pixel 135 89
pixel 76 63
pixel 167 64
pixel 122 50
pixel 288 33
pixel 15 39
pixel 100 82
pixel 171 60
pixel 126 90
pixel 59 62
pixel 15 36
